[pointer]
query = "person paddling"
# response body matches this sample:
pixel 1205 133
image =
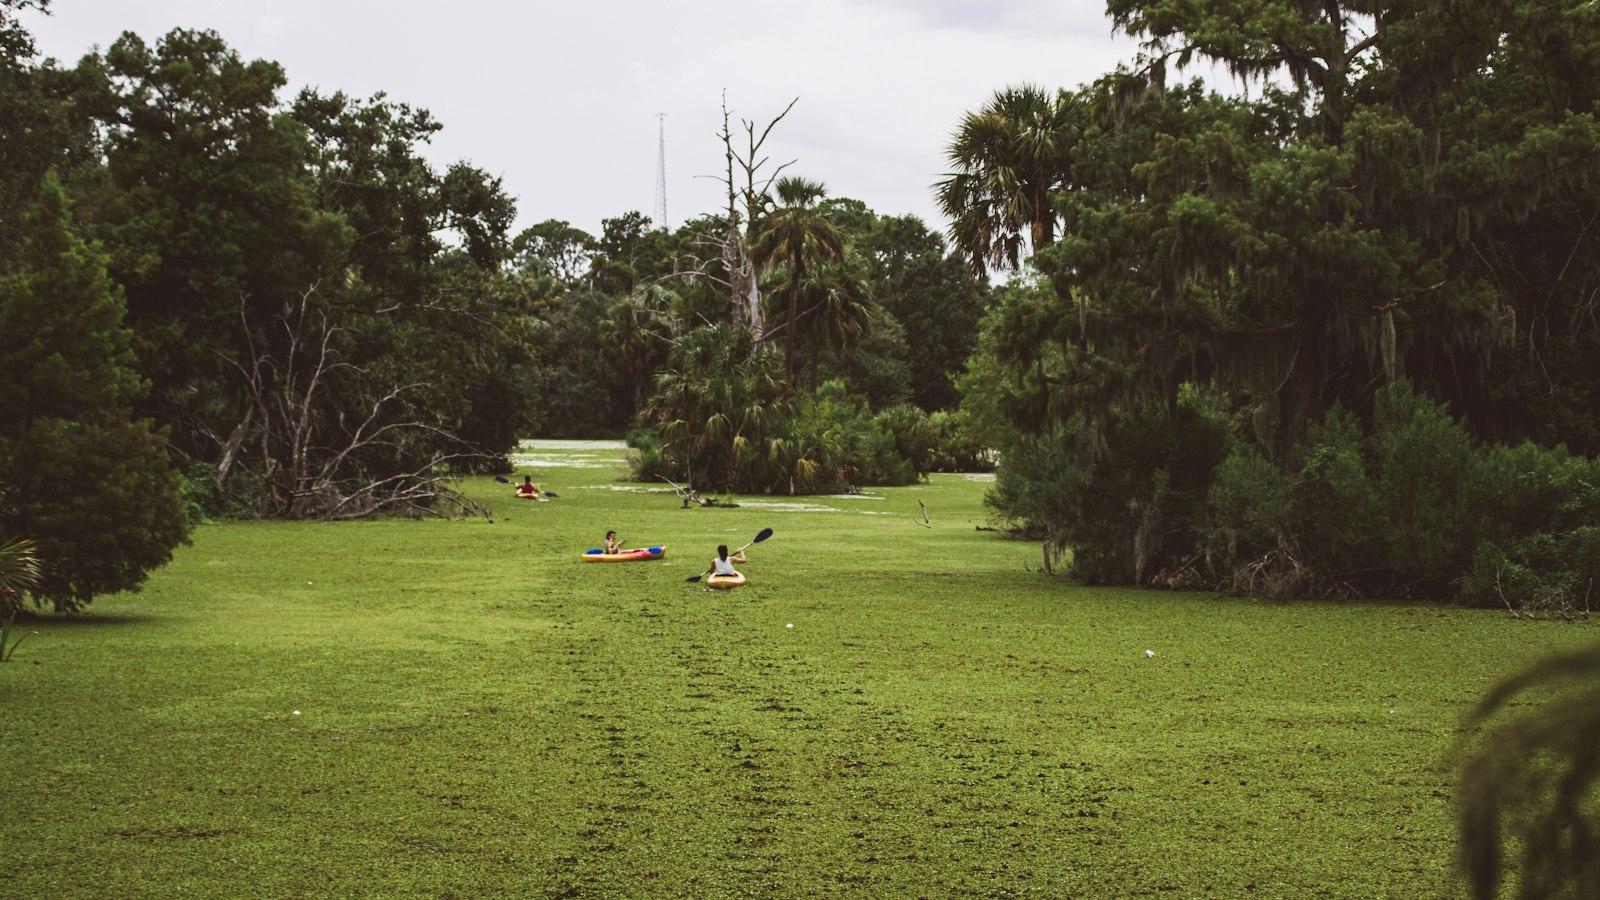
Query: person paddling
pixel 527 490
pixel 723 564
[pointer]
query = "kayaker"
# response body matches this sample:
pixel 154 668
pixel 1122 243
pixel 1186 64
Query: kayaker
pixel 612 544
pixel 723 564
pixel 527 490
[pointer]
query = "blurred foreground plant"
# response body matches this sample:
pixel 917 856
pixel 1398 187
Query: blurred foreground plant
pixel 1529 781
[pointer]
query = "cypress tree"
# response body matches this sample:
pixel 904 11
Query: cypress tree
pixel 91 484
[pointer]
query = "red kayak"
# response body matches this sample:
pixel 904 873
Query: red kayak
pixel 639 555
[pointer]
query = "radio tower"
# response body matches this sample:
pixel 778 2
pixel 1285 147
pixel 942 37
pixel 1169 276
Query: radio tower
pixel 661 172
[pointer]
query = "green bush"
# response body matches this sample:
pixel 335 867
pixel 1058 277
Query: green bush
pixel 958 448
pixel 648 462
pixel 725 421
pixel 1534 518
pixel 1132 513
pixel 79 473
pixel 1408 506
pixel 206 501
pixel 915 437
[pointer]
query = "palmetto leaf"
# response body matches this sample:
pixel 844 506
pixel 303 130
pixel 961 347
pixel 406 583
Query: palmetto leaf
pixel 19 573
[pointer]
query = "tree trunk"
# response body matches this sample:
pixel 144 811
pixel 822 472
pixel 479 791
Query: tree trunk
pixel 795 273
pixel 758 319
pixel 816 342
pixel 1301 397
pixel 230 451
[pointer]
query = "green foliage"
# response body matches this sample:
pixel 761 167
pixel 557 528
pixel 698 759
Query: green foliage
pixel 958 448
pixel 925 289
pixel 19 575
pixel 1010 158
pixel 1410 506
pixel 203 208
pixel 877 365
pixel 37 129
pixel 205 500
pixel 555 248
pixel 915 438
pixel 79 473
pixel 575 387
pixel 799 235
pixel 1408 195
pixel 727 421
pixel 1534 515
pixel 1528 779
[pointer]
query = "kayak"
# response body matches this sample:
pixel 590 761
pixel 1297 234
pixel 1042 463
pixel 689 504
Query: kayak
pixel 639 555
pixel 725 582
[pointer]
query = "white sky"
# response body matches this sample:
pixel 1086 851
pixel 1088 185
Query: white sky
pixel 559 98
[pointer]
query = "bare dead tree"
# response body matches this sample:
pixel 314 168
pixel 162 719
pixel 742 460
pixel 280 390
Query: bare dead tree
pixel 328 442
pixel 747 182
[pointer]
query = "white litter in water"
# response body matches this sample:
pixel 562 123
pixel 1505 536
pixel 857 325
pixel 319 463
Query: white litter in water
pixel 297 712
pixel 559 462
pixel 790 625
pixel 777 506
pixel 1149 653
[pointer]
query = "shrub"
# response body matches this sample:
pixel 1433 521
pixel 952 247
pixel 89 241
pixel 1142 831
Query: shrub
pixel 1410 506
pixel 79 473
pixel 206 501
pixel 958 447
pixel 915 437
pixel 724 420
pixel 647 461
pixel 1130 512
pixel 1533 516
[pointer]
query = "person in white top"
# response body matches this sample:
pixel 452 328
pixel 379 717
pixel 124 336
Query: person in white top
pixel 723 564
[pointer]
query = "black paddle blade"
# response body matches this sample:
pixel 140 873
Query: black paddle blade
pixel 502 479
pixel 551 494
pixel 765 533
pixel 693 578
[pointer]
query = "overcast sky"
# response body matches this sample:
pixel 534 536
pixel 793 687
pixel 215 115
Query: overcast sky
pixel 560 98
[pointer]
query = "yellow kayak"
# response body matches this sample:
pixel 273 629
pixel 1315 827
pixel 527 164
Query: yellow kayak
pixel 725 582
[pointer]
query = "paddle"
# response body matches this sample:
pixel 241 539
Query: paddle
pixel 765 533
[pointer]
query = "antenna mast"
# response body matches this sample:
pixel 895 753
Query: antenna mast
pixel 661 172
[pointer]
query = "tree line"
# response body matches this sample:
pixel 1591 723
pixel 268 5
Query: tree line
pixel 1331 336
pixel 222 300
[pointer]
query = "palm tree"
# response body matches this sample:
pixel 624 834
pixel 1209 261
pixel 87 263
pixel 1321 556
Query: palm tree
pixel 719 406
pixel 639 330
pixel 1009 157
pixel 798 234
pixel 837 309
